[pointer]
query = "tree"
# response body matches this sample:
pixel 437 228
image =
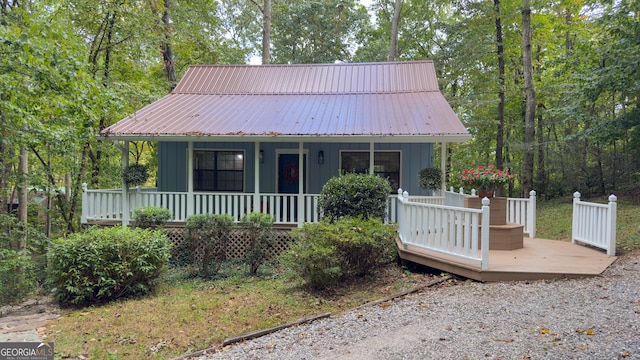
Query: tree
pixel 530 112
pixel 393 42
pixel 316 32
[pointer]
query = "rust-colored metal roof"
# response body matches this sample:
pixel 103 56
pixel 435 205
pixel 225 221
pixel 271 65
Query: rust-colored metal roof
pixel 395 101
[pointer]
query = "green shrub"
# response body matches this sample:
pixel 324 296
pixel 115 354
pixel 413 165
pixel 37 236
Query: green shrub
pixel 261 236
pixel 325 253
pixel 104 264
pixel 22 266
pixel 354 195
pixel 151 216
pixel 210 234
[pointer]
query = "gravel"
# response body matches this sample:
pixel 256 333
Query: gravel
pixel 593 318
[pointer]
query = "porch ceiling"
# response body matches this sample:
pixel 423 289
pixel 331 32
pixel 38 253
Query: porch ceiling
pixel 385 102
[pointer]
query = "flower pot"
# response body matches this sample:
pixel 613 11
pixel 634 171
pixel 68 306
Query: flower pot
pixel 497 208
pixel 485 192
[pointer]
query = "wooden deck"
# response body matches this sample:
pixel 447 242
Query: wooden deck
pixel 539 259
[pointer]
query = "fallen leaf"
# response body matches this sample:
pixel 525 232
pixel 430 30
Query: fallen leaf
pixel 384 305
pixel 626 354
pixel 590 332
pixel 359 315
pixel 543 331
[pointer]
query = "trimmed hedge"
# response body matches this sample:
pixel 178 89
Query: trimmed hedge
pixel 353 195
pixel 105 264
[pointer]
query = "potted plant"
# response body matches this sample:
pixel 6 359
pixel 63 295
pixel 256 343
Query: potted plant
pixel 135 175
pixel 485 179
pixel 430 178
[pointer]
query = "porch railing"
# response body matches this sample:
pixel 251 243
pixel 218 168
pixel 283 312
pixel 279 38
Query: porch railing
pixel 595 224
pixel 450 230
pixel 519 210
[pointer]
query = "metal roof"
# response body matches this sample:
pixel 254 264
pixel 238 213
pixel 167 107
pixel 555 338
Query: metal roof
pixel 392 102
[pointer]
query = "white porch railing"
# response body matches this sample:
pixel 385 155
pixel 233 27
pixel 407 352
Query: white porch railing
pixel 450 230
pixel 595 224
pixel 108 204
pixel 519 210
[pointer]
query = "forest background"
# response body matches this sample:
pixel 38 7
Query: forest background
pixel 548 89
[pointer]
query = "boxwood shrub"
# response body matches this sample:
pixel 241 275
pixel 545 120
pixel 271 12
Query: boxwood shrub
pixel 103 264
pixel 354 195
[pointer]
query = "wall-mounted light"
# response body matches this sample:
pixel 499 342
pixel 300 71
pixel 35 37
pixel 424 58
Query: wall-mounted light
pixel 320 157
pixel 261 156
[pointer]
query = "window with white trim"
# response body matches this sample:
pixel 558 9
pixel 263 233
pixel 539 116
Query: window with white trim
pixel 218 170
pixel 385 164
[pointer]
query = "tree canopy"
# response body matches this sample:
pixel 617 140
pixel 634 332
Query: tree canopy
pixel 71 68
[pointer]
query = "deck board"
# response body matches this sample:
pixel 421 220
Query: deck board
pixel 538 259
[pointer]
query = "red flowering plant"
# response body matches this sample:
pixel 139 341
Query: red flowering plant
pixel 485 177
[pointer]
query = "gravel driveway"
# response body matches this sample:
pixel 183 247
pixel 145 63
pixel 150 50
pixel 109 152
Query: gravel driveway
pixel 594 318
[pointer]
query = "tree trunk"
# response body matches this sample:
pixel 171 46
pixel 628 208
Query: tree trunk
pixel 500 51
pixel 541 176
pixel 530 111
pixel 395 23
pixel 266 32
pixel 23 189
pixel 167 54
pixel 5 169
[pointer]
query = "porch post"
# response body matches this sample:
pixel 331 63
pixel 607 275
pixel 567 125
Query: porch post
pixel 301 180
pixel 190 199
pixel 372 153
pixel 125 186
pixel 443 167
pixel 256 178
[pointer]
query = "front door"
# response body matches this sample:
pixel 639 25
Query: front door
pixel 288 174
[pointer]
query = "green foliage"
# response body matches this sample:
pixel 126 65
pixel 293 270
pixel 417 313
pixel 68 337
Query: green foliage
pixel 430 178
pixel 325 253
pixel 151 216
pixel 105 264
pixel 354 195
pixel 259 230
pixel 210 234
pixel 22 266
pixel 135 175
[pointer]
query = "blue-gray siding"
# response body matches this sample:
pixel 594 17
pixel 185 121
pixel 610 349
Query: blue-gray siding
pixel 172 166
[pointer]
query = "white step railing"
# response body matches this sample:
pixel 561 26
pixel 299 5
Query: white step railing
pixel 520 211
pixel 595 224
pixel 523 211
pixel 450 230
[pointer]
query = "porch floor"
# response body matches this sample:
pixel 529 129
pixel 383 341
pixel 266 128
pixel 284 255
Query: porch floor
pixel 539 259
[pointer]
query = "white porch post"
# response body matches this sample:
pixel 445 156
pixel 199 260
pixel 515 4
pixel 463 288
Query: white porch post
pixel 371 158
pixel 443 167
pixel 125 186
pixel 190 199
pixel 301 181
pixel 256 178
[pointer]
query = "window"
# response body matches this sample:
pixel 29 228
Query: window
pixel 385 164
pixel 218 170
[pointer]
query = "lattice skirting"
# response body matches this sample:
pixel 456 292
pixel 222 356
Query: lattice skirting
pixel 238 243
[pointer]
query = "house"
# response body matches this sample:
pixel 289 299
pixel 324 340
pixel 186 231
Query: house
pixel 233 138
pixel 239 138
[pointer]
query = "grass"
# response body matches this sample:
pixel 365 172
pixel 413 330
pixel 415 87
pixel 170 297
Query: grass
pixel 186 315
pixel 554 220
